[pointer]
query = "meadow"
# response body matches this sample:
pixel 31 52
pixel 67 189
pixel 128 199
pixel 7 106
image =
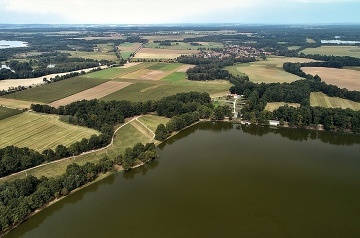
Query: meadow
pixel 40 131
pixel 272 106
pixel 353 51
pixel 267 71
pixel 318 99
pixel 343 78
pixel 126 49
pixel 8 112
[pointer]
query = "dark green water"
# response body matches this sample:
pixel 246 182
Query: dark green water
pixel 216 180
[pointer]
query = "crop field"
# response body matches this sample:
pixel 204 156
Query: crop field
pixel 343 78
pixel 40 131
pixel 353 51
pixel 99 91
pixel 271 106
pixel 8 112
pixel 118 71
pixel 322 100
pixel 58 90
pixel 16 104
pixel 164 37
pixel 267 71
pixel 165 66
pixel 294 47
pixel 174 83
pixel 175 77
pixel 173 46
pixel 148 53
pixel 127 49
pixel 96 55
pixel 127 136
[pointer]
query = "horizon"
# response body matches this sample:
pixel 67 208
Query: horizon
pixel 160 12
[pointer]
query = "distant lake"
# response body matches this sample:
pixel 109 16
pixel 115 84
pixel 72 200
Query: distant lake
pixel 12 44
pixel 221 180
pixel 339 42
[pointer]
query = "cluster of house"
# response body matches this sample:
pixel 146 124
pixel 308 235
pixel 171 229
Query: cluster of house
pixel 236 51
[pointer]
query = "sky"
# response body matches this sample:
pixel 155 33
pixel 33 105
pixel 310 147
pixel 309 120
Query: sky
pixel 179 11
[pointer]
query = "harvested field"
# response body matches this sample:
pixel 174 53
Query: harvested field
pixel 117 72
pixel 343 78
pixel 99 91
pixel 353 51
pixel 131 47
pixel 40 131
pixel 148 53
pixel 271 106
pixel 267 71
pixel 318 99
pixel 13 103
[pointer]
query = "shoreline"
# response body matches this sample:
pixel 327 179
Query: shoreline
pixel 118 168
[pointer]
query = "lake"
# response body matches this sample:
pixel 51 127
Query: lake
pixel 339 42
pixel 221 180
pixel 12 44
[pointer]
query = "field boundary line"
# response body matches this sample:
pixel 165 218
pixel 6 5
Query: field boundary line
pixel 74 157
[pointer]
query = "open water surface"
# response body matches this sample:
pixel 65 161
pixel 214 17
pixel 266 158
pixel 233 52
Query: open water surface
pixel 221 180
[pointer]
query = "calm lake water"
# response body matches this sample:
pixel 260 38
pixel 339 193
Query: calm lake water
pixel 12 44
pixel 339 42
pixel 221 180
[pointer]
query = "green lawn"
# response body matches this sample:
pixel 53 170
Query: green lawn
pixel 55 91
pixel 8 112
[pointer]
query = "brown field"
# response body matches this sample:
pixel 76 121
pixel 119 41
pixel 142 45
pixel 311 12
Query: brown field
pixel 149 53
pixel 343 78
pixel 319 99
pixel 13 103
pixel 272 106
pixel 99 91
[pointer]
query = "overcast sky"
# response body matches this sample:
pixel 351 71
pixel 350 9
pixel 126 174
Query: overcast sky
pixel 180 11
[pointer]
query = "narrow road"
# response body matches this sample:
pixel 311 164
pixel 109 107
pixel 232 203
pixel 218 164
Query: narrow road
pixel 146 128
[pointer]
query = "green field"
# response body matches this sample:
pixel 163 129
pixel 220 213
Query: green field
pixel 318 99
pixel 353 51
pixel 271 106
pixel 175 77
pixel 111 56
pixel 40 131
pixel 58 90
pixel 127 136
pixel 155 90
pixel 125 54
pixel 8 112
pixel 267 71
pixel 118 71
pixel 165 66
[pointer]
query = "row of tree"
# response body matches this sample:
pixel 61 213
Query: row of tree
pixel 23 196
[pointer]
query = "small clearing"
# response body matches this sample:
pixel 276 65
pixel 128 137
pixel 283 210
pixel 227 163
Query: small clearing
pixel 318 99
pixel 14 103
pixel 99 91
pixel 344 78
pixel 272 106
